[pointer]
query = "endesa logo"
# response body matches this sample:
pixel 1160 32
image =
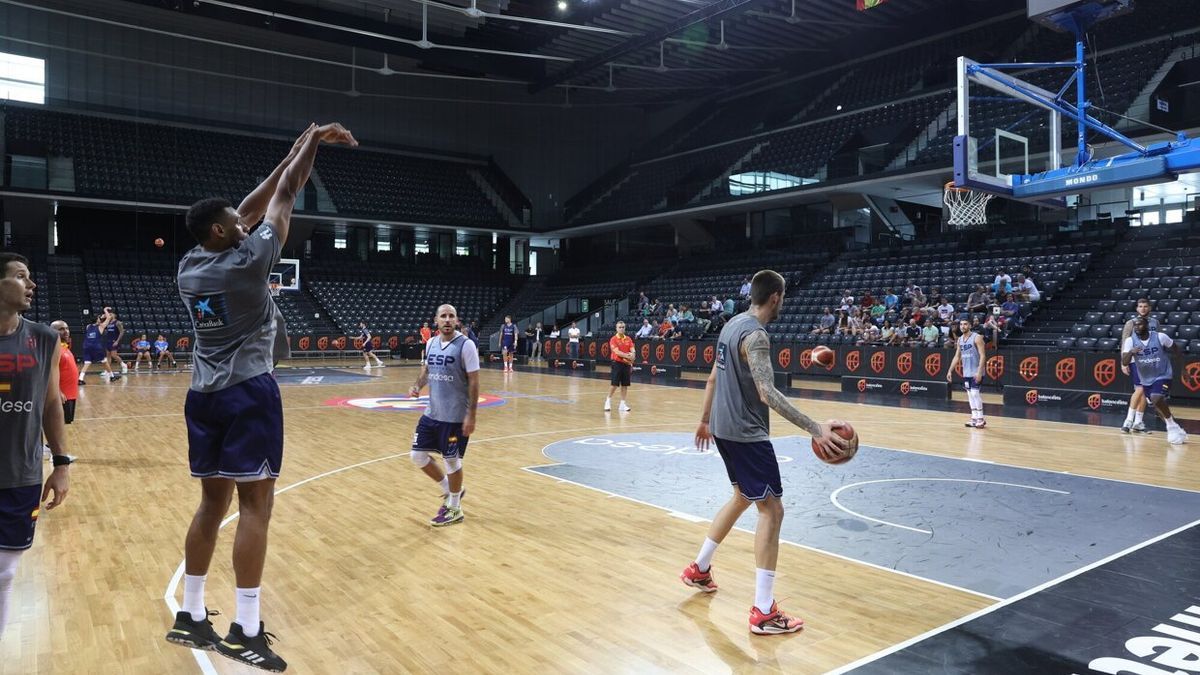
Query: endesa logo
pixel 1172 646
pixel 16 407
pixel 397 403
pixel 17 363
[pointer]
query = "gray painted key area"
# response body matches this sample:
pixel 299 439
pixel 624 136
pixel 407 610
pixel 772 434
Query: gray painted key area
pixel 997 530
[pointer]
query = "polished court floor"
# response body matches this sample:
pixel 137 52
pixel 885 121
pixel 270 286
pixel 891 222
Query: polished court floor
pixel 549 573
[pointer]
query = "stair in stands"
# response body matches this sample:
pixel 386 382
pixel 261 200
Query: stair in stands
pixel 495 198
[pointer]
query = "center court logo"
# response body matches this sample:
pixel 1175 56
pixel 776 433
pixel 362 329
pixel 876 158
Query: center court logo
pixel 399 403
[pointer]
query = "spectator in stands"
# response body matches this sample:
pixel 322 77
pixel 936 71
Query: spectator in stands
pixel 855 322
pixel 717 313
pixel 977 302
pixel 729 308
pixel 912 333
pixel 945 310
pixel 664 330
pixel 646 330
pixel 655 308
pixel 930 334
pixel 473 332
pixel 877 311
pixel 1011 311
pixel 912 291
pixel 992 327
pixel 539 336
pixel 867 301
pixel 685 316
pixel 890 300
pixel 573 340
pixel 870 335
pixel 555 333
pixel 1026 290
pixel 643 303
pixel 529 341
pixel 745 290
pixel 825 324
pixel 847 300
pixel 888 334
pixel 841 326
pixel 672 316
pixel 1002 284
pixel 426 333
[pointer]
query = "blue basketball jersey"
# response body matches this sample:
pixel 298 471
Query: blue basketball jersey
pixel 1154 362
pixel 91 336
pixel 110 333
pixel 970 355
pixel 508 333
pixel 161 346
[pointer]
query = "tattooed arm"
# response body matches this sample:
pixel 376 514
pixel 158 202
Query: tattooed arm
pixel 757 351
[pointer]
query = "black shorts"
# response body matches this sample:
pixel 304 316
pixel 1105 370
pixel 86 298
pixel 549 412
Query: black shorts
pixel 442 437
pixel 69 411
pixel 752 467
pixel 18 516
pixel 236 432
pixel 619 374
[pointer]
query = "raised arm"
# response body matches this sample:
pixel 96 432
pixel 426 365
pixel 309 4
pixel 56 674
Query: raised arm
pixel 283 200
pixel 253 207
pixel 757 351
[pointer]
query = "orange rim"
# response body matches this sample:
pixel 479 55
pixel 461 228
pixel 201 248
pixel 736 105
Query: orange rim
pixel 951 187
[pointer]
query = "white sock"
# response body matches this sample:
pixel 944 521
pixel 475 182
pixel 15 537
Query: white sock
pixel 193 596
pixel 445 483
pixel 8 570
pixel 1129 415
pixel 704 558
pixel 455 499
pixel 1172 424
pixel 764 590
pixel 247 610
pixel 1137 417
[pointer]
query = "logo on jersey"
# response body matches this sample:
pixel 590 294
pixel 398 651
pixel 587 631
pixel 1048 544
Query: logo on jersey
pixel 1105 372
pixel 1028 369
pixel 878 362
pixel 400 403
pixel 1064 370
pixel 17 363
pixel 720 356
pixel 933 364
pixel 209 312
pixel 264 233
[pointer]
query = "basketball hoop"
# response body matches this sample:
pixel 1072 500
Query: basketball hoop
pixel 274 289
pixel 967 207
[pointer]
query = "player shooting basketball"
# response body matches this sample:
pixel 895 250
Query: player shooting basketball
pixel 1150 353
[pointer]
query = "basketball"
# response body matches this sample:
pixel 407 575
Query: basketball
pixel 847 432
pixel 159 243
pixel 822 355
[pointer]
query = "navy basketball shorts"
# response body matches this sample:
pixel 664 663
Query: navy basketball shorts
pixel 619 377
pixel 110 347
pixel 93 354
pixel 236 432
pixel 969 383
pixel 1133 375
pixel 1158 388
pixel 442 437
pixel 367 347
pixel 752 467
pixel 18 516
pixel 507 347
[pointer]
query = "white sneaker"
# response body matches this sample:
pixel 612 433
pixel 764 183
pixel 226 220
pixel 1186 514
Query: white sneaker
pixel 1177 436
pixel 367 367
pixel 625 407
pixel 607 405
pixel 124 368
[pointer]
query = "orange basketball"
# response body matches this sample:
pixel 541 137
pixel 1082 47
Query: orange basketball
pixel 847 432
pixel 159 242
pixel 822 355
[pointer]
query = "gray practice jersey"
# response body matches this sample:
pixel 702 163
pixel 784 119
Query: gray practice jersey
pixel 26 357
pixel 738 414
pixel 447 365
pixel 240 333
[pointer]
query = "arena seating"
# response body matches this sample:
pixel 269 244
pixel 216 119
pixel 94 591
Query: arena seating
pixel 141 288
pixel 164 164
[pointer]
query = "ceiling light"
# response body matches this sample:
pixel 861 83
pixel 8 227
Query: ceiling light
pixel 839 108
pixel 562 6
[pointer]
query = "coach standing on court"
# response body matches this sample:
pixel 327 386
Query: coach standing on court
pixel 620 349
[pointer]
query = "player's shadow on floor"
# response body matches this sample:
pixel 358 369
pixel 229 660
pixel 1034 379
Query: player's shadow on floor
pixel 696 609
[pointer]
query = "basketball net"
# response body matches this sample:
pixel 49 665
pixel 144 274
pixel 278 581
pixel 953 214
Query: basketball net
pixel 274 288
pixel 967 207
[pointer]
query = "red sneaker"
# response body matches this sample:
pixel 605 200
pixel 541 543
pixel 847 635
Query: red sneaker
pixel 774 623
pixel 692 576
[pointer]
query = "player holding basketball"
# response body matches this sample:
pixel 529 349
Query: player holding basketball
pixel 1148 352
pixel 1137 402
pixel 31 404
pixel 163 349
pixel 233 410
pixel 368 349
pixel 738 396
pixel 114 330
pixel 508 342
pixel 620 349
pixel 968 350
pixel 451 370
pixel 93 348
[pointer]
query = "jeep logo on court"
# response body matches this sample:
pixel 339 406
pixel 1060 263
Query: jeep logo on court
pixel 853 360
pixel 691 353
pixel 646 352
pixel 660 352
pixel 995 367
pixel 1094 401
pixel 933 364
pixel 674 353
pixel 904 363
pixel 878 362
pixel 806 359
pixel 1105 372
pixel 1190 377
pixel 784 358
pixel 905 387
pixel 709 354
pixel 322 343
pixel 1064 370
pixel 1031 397
pixel 1028 368
pixel 862 385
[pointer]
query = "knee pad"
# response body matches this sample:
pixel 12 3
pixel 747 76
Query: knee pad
pixel 420 458
pixel 453 464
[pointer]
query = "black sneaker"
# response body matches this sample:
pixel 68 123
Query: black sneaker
pixel 252 651
pixel 195 634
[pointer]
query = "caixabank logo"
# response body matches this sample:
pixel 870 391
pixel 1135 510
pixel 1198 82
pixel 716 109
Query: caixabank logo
pixel 399 403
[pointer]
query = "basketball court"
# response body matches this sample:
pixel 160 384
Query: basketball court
pixel 578 522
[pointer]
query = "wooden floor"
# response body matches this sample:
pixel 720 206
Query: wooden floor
pixel 542 577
